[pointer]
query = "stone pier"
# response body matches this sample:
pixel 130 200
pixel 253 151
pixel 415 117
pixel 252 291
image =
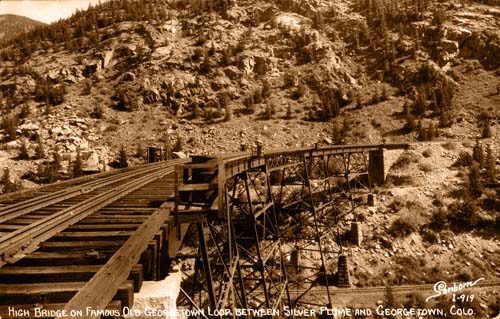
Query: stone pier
pixel 376 168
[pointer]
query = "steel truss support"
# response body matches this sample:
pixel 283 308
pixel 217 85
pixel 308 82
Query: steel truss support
pixel 275 235
pixel 315 196
pixel 240 259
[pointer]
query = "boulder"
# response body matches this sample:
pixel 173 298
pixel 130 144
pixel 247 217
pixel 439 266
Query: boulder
pixel 450 47
pixel 232 72
pixel 91 68
pixel 8 87
pixel 126 50
pixel 29 127
pixel 458 34
pixel 129 76
pixel 12 145
pixel 162 52
pixel 219 83
pixel 151 95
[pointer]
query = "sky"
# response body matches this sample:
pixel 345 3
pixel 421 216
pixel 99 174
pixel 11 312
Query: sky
pixel 44 10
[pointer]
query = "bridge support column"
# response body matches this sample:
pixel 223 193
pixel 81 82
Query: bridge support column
pixel 376 169
pixel 343 273
pixel 356 233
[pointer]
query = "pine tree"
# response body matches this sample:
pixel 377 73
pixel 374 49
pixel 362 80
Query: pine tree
pixel 8 185
pixel 39 150
pixel 421 131
pixel 78 165
pixel 122 157
pixel 57 159
pixel 9 124
pixel 478 153
pixel 475 186
pixel 359 102
pixel 178 145
pixel 23 151
pixel 490 165
pixel 486 133
pixel 228 113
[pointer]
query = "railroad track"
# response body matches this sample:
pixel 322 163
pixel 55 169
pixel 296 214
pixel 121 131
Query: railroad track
pixel 55 239
pixel 381 290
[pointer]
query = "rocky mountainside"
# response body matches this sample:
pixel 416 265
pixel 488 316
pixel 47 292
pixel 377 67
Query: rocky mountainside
pixel 206 76
pixel 12 25
pixel 215 74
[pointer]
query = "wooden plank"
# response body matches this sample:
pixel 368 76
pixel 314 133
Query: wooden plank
pixel 53 274
pixel 107 280
pixel 80 245
pixel 64 258
pixel 11 294
pixel 109 226
pixel 87 235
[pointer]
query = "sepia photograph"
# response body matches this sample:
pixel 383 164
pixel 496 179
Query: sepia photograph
pixel 250 159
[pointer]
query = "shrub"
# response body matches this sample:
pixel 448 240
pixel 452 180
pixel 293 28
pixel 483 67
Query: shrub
pixel 97 112
pixel 404 225
pixel 266 88
pixel 474 180
pixel 122 157
pixel 426 168
pixel 439 219
pixel 486 132
pixel 25 111
pixel 405 160
pixel 126 101
pixel 249 104
pixel 359 102
pixel 23 151
pixel 8 186
pixel 464 159
pixel 427 153
pixel 478 153
pixel 270 110
pixel 9 124
pixel 49 93
pixel 178 145
pixel 490 165
pixel 410 124
pixel 39 150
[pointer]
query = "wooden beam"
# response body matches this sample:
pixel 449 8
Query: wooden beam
pixel 99 291
pixel 11 294
pixel 54 274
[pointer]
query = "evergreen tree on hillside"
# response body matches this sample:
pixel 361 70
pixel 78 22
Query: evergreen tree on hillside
pixel 474 181
pixel 122 157
pixel 491 171
pixel 23 151
pixel 39 149
pixel 478 154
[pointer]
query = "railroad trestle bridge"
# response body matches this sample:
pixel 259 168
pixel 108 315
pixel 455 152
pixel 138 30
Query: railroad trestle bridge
pixel 264 228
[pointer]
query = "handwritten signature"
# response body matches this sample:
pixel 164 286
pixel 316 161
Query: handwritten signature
pixel 441 288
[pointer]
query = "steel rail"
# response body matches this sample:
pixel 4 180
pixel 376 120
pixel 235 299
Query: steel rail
pixel 70 182
pixel 26 239
pixel 395 289
pixel 16 210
